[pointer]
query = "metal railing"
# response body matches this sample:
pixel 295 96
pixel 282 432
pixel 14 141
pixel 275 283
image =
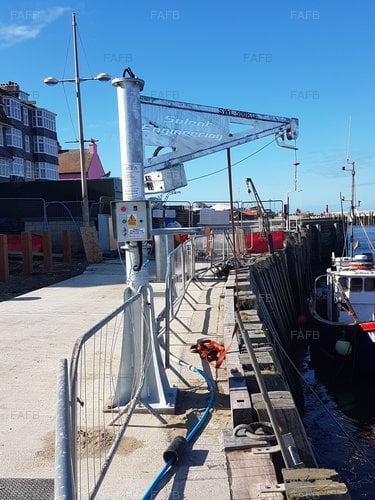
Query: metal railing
pixel 94 410
pixel 64 467
pixel 98 416
pixel 215 246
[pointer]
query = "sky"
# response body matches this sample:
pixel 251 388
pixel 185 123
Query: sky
pixel 309 59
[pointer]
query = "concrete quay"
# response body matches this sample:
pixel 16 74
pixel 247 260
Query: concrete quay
pixel 41 327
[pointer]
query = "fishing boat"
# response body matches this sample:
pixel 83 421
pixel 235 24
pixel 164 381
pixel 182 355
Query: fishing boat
pixel 343 305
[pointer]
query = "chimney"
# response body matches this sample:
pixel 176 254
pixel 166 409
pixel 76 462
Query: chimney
pixel 92 147
pixel 10 86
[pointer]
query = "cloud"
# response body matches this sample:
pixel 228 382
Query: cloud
pixel 27 24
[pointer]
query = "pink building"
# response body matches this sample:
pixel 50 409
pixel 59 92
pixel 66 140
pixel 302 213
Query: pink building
pixel 69 163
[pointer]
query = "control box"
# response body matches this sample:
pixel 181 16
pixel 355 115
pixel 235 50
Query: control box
pixel 163 181
pixel 131 220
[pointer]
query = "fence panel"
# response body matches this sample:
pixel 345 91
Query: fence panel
pixel 98 416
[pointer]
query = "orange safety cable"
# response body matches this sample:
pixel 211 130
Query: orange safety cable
pixel 211 350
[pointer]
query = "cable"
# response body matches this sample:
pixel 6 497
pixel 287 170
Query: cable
pixel 138 267
pixel 66 208
pixel 64 90
pixel 84 53
pixel 191 434
pixel 233 164
pixel 370 245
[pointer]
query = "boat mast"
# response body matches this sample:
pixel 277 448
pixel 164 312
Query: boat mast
pixel 352 209
pixel 352 213
pixel 352 198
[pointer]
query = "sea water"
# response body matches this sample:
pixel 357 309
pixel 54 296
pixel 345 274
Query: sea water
pixel 340 417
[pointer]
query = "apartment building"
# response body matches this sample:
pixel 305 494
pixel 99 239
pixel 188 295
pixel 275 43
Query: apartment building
pixel 28 140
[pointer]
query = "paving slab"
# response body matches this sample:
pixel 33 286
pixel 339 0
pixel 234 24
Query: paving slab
pixel 41 327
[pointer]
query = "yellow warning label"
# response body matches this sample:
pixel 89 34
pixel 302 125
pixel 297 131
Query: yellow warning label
pixel 132 221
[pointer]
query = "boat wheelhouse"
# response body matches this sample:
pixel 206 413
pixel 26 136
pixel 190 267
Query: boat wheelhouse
pixel 351 280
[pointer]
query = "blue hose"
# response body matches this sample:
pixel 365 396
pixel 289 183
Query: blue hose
pixel 191 434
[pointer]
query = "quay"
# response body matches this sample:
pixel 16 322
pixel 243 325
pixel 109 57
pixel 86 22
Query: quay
pixel 228 458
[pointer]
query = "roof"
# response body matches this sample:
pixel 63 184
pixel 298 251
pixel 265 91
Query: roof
pixel 69 161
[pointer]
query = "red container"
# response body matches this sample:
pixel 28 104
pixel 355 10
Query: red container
pixel 257 242
pixel 14 243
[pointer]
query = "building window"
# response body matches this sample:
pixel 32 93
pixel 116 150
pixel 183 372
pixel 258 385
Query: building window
pixel 1 137
pixel 28 171
pixel 14 137
pixel 25 116
pixel 4 168
pixel 44 119
pixel 45 170
pixel 45 145
pixel 17 167
pixel 12 108
pixel 23 96
pixel 27 144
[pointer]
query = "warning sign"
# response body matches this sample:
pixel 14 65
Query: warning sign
pixel 132 221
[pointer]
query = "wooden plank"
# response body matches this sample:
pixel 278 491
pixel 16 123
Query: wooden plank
pixel 264 359
pixel 27 253
pixel 4 264
pixel 47 251
pixel 240 403
pixel 15 253
pixel 306 483
pixel 250 475
pixel 273 381
pixel 230 442
pixel 288 419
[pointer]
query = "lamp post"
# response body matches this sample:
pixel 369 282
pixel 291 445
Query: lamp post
pixel 102 77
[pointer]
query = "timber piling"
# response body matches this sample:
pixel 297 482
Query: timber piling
pixel 270 294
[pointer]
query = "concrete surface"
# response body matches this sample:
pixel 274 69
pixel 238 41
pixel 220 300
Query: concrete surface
pixel 39 328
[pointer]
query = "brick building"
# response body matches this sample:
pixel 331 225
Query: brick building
pixel 28 140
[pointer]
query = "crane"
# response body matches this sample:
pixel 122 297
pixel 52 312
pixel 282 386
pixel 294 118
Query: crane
pixel 262 214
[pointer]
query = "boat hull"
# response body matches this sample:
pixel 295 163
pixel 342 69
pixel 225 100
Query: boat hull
pixel 351 347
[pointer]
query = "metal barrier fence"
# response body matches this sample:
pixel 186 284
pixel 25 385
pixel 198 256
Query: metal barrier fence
pixel 213 246
pixel 210 249
pixel 98 416
pixel 94 412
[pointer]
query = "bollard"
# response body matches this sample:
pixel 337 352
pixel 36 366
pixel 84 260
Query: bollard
pixel 47 251
pixel 27 253
pixel 4 264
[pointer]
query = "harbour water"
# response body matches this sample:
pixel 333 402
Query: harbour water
pixel 339 416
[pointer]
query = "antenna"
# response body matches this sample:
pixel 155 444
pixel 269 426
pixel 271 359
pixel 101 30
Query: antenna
pixel 348 143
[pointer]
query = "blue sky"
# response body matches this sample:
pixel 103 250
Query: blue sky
pixel 309 59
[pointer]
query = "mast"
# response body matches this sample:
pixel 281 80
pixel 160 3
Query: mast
pixel 85 198
pixel 352 197
pixel 352 209
pixel 352 213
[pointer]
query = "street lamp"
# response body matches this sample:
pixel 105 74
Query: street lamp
pixel 102 77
